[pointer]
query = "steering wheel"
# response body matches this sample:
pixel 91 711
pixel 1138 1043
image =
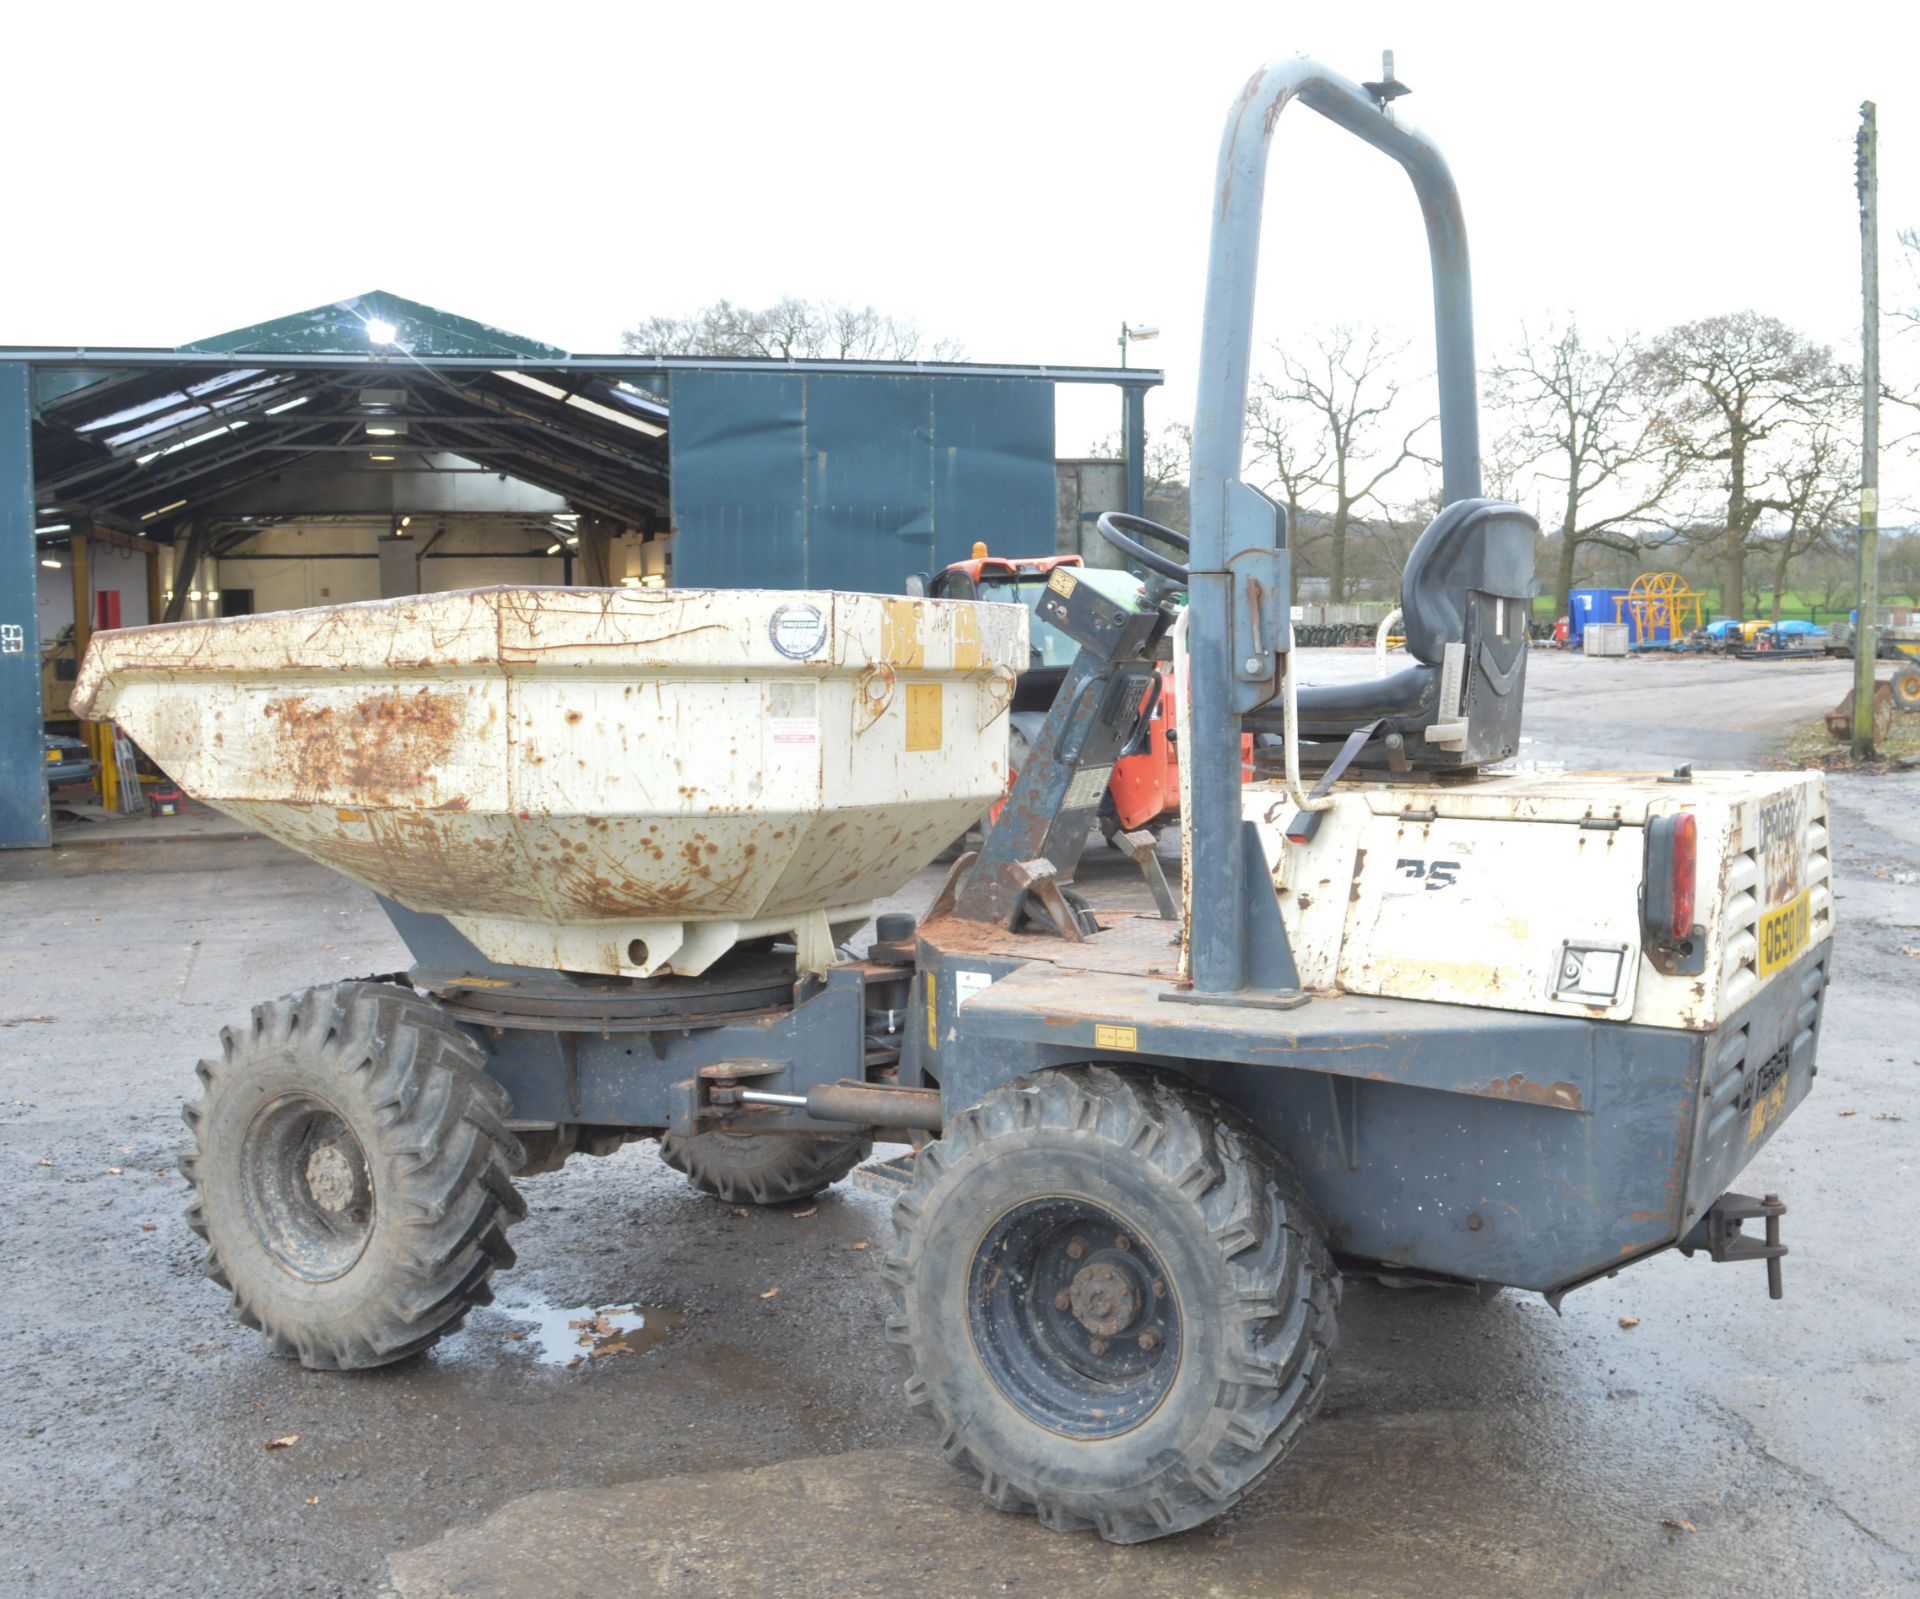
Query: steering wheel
pixel 1118 528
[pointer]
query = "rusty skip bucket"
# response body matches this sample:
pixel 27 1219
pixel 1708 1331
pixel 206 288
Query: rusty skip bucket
pixel 597 780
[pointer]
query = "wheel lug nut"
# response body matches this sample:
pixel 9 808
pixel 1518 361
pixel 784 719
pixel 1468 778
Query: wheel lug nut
pixel 1062 1300
pixel 1149 1340
pixel 1159 1289
pixel 1123 1242
pixel 1076 1249
pixel 1098 1346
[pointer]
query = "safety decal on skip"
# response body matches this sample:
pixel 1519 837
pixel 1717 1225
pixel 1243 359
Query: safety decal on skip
pixel 798 631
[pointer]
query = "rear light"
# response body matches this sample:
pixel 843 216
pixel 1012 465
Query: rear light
pixel 1686 854
pixel 1673 856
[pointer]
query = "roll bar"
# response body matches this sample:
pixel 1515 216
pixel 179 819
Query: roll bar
pixel 1233 661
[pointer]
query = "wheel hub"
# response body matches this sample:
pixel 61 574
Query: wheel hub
pixel 307 1187
pixel 1104 1298
pixel 331 1177
pixel 1072 1317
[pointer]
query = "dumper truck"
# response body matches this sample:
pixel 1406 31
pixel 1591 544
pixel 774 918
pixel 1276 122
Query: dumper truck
pixel 1413 1016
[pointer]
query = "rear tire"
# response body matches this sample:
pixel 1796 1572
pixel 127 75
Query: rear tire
pixel 763 1168
pixel 1906 689
pixel 352 1174
pixel 1112 1299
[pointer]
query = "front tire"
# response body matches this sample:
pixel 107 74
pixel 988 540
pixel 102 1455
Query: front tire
pixel 352 1174
pixel 763 1168
pixel 1906 689
pixel 1112 1299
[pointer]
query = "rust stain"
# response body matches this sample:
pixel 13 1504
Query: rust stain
pixel 382 747
pixel 1359 866
pixel 1561 1096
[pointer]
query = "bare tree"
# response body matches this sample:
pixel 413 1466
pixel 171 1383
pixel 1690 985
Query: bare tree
pixel 1317 426
pixel 1814 491
pixel 1905 343
pixel 1575 414
pixel 1734 390
pixel 1168 463
pixel 1295 453
pixel 790 329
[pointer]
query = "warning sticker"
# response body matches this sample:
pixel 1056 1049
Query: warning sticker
pixel 798 631
pixel 1087 787
pixel 966 984
pixel 794 729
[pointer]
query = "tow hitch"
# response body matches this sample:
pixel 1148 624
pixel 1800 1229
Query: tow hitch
pixel 1718 1233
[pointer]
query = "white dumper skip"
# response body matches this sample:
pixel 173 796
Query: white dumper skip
pixel 625 782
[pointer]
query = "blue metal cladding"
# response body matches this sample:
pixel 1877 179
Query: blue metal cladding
pixel 23 776
pixel 825 480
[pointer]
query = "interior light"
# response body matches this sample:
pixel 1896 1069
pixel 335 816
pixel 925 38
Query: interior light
pixel 656 581
pixel 379 457
pixel 286 405
pixel 161 510
pixel 381 332
pixel 55 527
pixel 553 549
pixel 382 430
pixel 551 390
pixel 406 521
pixel 167 595
pixel 213 594
pixel 629 582
pixel 187 444
pixel 48 560
pixel 194 595
pixel 651 429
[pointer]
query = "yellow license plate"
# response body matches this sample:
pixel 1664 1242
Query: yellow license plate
pixel 1784 931
pixel 1767 1109
pixel 53 757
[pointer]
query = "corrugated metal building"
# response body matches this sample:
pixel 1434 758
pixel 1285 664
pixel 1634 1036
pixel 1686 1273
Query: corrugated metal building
pixel 378 447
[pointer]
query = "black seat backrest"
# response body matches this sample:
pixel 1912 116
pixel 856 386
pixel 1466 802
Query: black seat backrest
pixel 1483 546
pixel 1468 587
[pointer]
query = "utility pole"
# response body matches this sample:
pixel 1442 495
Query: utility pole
pixel 1865 635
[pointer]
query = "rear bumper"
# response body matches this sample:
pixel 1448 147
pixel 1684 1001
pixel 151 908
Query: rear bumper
pixel 1757 1067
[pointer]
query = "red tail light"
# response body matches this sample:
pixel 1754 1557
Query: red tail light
pixel 1685 859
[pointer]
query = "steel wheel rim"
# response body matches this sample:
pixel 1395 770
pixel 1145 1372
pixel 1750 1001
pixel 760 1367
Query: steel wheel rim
pixel 307 1187
pixel 1073 1317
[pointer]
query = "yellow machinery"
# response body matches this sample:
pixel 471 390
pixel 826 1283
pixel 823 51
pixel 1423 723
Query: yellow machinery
pixel 1663 606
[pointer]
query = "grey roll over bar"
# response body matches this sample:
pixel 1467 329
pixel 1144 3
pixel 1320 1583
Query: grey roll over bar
pixel 1237 589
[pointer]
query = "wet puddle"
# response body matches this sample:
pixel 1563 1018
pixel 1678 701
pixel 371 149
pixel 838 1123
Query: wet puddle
pixel 579 1334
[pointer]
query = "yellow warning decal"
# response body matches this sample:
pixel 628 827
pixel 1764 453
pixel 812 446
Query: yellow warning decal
pixel 1062 582
pixel 933 1028
pixel 923 716
pixel 1108 1037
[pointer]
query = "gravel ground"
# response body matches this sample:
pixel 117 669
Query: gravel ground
pixel 758 1446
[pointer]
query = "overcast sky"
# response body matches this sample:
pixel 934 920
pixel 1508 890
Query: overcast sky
pixel 1019 177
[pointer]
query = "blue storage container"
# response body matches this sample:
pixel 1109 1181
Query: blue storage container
pixel 1597 605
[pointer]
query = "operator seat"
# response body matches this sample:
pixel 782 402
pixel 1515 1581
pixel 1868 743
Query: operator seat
pixel 1465 601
